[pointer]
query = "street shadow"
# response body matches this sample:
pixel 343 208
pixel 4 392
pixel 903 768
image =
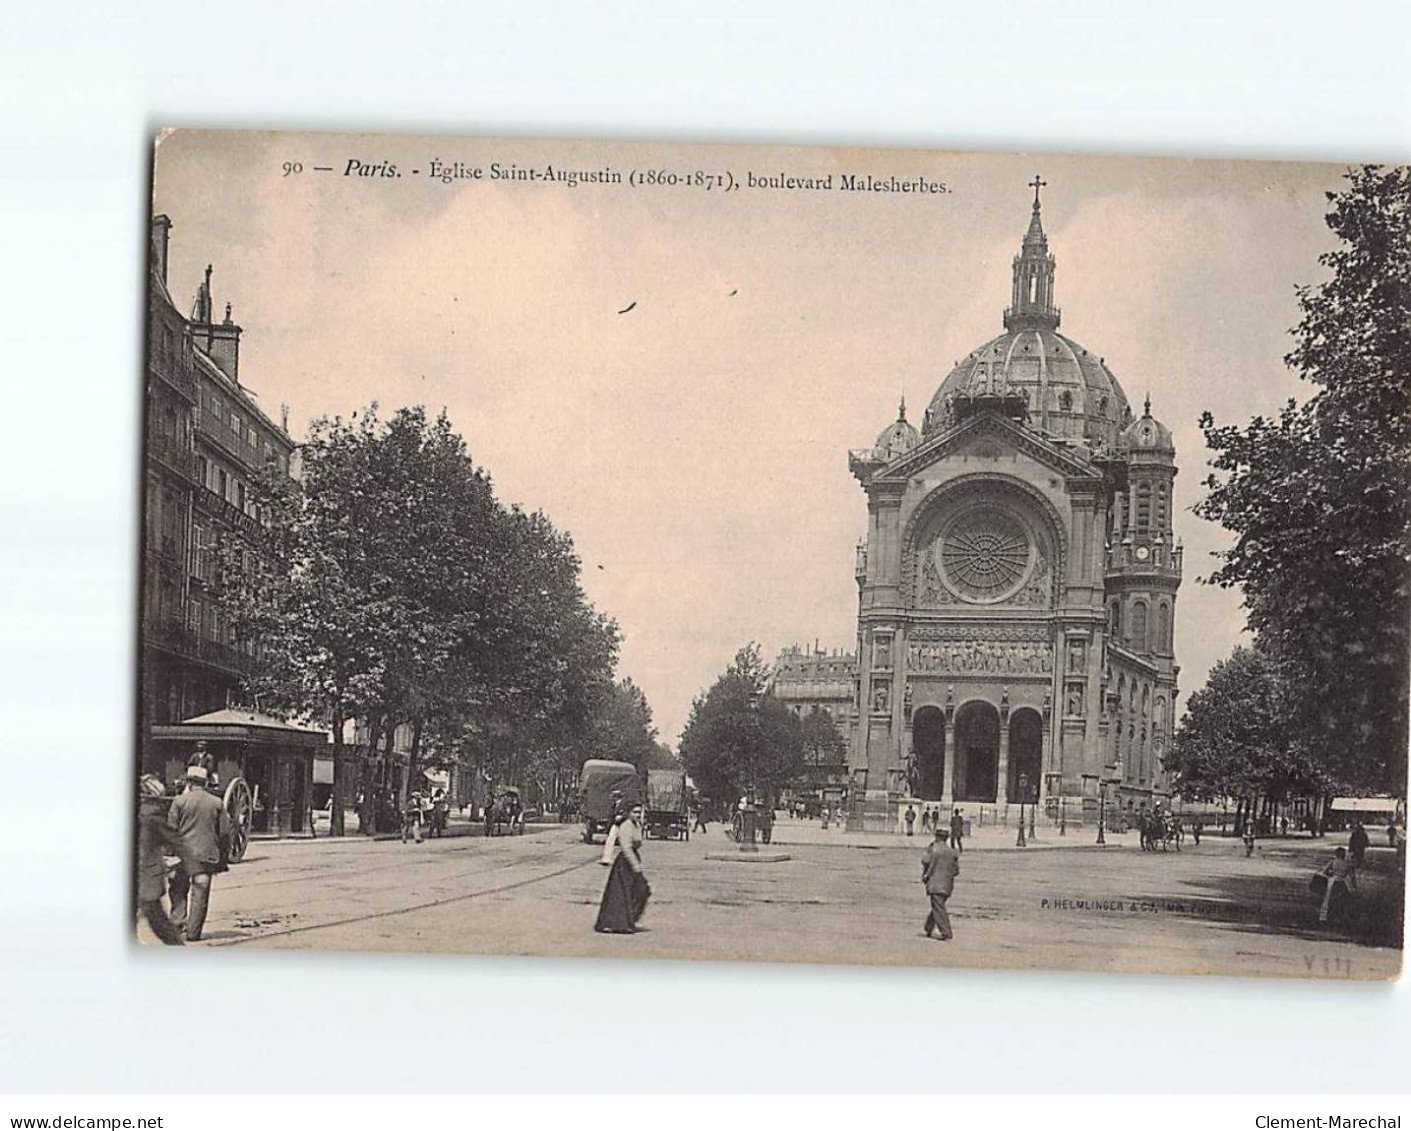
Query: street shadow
pixel 1284 905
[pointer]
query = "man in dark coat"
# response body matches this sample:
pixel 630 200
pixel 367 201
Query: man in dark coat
pixel 957 831
pixel 203 829
pixel 154 839
pixel 1357 845
pixel 939 867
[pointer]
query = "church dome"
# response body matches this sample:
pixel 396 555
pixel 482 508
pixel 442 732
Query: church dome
pixel 1147 434
pixel 1070 392
pixel 897 438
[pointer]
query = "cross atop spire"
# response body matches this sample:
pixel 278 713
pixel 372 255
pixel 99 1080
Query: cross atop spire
pixel 1031 306
pixel 1147 406
pixel 901 409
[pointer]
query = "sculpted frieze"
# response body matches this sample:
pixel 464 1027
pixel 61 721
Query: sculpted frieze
pixel 978 657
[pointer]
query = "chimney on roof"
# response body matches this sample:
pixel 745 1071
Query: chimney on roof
pixel 161 236
pixel 221 341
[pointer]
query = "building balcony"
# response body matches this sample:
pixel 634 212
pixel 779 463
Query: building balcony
pixel 177 372
pixel 225 512
pixel 218 434
pixel 173 456
pixel 171 636
pixel 226 656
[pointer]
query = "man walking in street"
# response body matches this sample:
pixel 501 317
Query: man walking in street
pixel 957 830
pixel 939 867
pixel 910 820
pixel 203 828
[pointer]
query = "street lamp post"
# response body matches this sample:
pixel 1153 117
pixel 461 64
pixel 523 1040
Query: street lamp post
pixel 1023 793
pixel 1102 811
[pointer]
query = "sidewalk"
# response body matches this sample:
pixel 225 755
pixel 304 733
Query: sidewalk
pixel 990 838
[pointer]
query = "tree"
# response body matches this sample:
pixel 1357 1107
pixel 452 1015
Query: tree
pixel 1234 739
pixel 392 586
pixel 1320 498
pixel 824 744
pixel 738 737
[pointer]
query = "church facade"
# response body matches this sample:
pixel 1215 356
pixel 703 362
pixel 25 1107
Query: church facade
pixel 1018 582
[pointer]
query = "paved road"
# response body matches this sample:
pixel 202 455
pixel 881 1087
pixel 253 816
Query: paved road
pixel 1074 907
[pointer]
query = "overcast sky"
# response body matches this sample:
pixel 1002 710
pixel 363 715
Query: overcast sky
pixel 696 446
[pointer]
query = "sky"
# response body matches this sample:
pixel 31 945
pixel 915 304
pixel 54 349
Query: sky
pixel 696 446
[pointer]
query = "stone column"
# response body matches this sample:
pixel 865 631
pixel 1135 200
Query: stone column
pixel 1002 785
pixel 948 766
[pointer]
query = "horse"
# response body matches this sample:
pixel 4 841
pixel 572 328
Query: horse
pixel 505 811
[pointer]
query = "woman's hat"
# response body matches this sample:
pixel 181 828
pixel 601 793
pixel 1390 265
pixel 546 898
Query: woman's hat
pixel 150 785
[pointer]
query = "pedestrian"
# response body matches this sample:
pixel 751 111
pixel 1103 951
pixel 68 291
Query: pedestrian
pixel 957 831
pixel 925 819
pixel 1249 836
pixel 627 891
pixel 1284 825
pixel 910 820
pixel 698 812
pixel 1357 844
pixel 1340 870
pixel 939 868
pixel 155 839
pixel 1196 828
pixel 411 817
pixel 203 830
pixel 1391 833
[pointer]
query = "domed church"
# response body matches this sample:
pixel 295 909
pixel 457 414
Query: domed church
pixel 1017 586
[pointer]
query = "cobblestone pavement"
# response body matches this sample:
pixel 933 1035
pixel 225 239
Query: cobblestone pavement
pixel 840 898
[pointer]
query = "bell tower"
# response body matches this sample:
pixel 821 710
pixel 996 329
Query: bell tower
pixel 1144 563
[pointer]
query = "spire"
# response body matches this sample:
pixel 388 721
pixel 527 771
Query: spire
pixel 1147 406
pixel 1031 304
pixel 901 410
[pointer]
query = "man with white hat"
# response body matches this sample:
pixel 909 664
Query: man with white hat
pixel 204 830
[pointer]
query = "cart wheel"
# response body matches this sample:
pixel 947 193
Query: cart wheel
pixel 240 805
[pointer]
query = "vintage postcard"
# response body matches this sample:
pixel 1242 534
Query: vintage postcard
pixel 572 548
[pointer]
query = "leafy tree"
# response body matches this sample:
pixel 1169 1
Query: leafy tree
pixel 1234 739
pixel 824 744
pixel 1320 497
pixel 392 586
pixel 739 737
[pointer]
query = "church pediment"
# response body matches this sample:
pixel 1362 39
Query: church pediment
pixel 985 434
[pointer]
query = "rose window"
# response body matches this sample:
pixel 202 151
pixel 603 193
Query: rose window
pixel 984 555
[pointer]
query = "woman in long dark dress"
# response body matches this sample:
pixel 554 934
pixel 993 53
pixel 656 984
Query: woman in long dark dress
pixel 627 891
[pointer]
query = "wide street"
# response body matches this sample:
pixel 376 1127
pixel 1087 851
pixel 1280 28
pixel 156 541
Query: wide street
pixel 842 897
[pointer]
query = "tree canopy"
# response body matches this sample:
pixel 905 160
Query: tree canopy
pixel 739 737
pixel 389 584
pixel 1319 498
pixel 1235 738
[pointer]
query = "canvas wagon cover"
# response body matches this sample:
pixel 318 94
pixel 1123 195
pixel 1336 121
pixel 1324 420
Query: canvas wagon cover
pixel 666 791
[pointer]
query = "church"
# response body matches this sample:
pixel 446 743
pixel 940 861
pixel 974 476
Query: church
pixel 1017 585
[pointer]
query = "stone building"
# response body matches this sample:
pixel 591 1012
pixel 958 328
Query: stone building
pixel 814 680
pixel 206 439
pixel 1017 586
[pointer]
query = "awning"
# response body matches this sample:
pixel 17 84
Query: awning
pixel 234 725
pixel 1367 804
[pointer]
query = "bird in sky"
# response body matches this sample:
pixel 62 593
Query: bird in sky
pixel 733 293
pixel 628 307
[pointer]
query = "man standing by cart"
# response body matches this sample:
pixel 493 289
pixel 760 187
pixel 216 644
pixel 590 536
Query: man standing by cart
pixel 203 829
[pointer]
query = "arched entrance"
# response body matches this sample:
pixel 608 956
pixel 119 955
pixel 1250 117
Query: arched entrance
pixel 976 752
pixel 928 745
pixel 1025 749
